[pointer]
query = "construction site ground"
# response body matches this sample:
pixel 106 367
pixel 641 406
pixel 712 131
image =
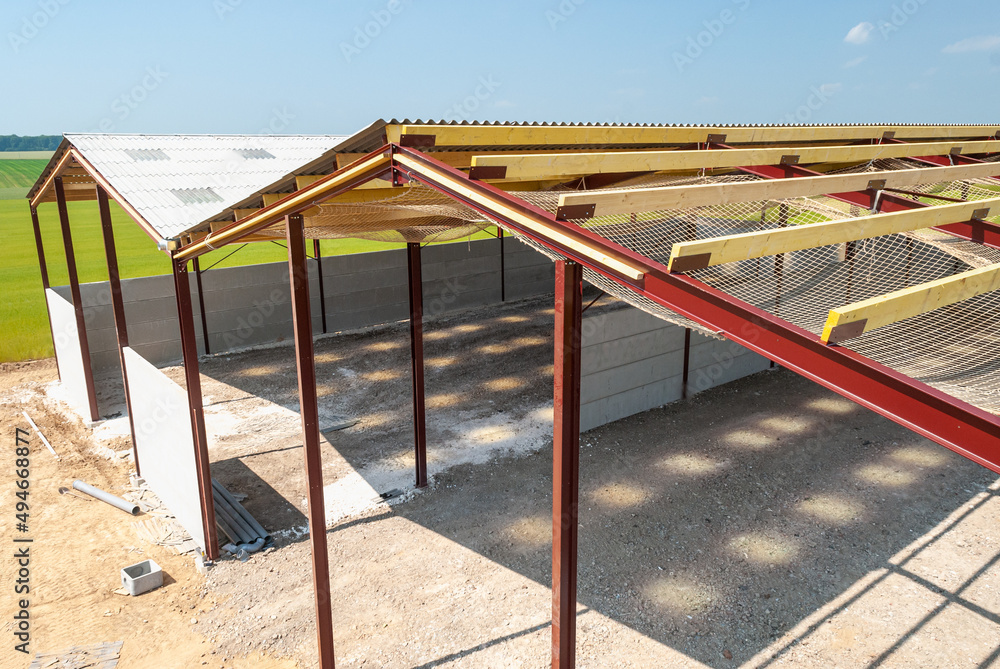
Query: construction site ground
pixel 764 523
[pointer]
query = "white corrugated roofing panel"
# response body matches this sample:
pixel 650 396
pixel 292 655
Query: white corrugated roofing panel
pixel 176 182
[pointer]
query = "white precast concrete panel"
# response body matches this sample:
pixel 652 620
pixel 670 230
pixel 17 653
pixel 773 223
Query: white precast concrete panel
pixel 164 442
pixel 69 358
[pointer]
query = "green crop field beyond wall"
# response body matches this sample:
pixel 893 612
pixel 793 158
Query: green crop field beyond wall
pixel 22 310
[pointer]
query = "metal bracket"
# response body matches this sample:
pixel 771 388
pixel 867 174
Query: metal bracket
pixel 689 263
pixel 174 243
pixel 417 141
pixel 480 172
pixel 847 331
pixel 790 160
pixel 956 151
pixel 876 184
pixel 889 134
pixel 716 139
pixel 981 214
pixel 575 211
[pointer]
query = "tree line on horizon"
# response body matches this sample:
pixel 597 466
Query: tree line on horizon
pixel 29 143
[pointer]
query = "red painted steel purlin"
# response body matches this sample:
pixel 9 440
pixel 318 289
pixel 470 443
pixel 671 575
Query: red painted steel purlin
pixel 309 409
pixel 117 308
pixel 192 379
pixel 416 289
pixel 566 461
pixel 981 232
pixel 952 423
pixel 74 286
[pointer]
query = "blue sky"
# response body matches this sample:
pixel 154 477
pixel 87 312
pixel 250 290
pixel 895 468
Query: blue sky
pixel 244 66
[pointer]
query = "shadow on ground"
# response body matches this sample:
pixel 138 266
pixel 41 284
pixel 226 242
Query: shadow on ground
pixel 733 524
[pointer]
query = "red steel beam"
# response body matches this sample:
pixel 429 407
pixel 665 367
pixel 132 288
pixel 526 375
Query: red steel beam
pixel 40 250
pixel 192 378
pixel 955 424
pixel 416 287
pixel 117 308
pixel 305 363
pixel 566 461
pixel 959 426
pixel 74 286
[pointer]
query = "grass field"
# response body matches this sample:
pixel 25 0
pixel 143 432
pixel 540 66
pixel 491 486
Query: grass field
pixel 22 312
pixel 17 176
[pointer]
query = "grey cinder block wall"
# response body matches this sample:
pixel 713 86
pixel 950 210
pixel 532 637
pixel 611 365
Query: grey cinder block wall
pixel 250 306
pixel 631 361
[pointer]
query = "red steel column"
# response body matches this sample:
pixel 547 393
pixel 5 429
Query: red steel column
pixel 503 271
pixel 318 254
pixel 308 407
pixel 74 286
pixel 566 461
pixel 196 266
pixel 40 250
pixel 417 359
pixel 117 307
pixel 192 377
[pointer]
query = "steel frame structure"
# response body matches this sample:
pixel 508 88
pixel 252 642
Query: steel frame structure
pixel 957 425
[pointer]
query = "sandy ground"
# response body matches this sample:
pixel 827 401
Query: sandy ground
pixel 767 523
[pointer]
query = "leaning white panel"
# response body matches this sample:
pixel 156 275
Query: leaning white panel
pixel 69 357
pixel 164 441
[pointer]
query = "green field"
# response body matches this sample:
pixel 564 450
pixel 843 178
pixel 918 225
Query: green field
pixel 22 311
pixel 17 176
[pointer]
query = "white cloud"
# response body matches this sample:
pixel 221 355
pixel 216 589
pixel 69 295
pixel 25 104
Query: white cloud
pixel 979 43
pixel 860 33
pixel 706 100
pixel 830 89
pixel 854 62
pixel 504 104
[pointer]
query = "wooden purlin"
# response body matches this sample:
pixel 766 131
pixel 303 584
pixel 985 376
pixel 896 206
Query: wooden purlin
pixel 522 167
pixel 596 135
pixel 686 256
pixel 607 203
pixel 899 305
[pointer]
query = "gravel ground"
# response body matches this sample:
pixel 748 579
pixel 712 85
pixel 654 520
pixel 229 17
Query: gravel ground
pixel 765 523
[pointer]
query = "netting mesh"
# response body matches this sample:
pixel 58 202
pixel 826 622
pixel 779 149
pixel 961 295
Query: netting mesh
pixel 413 214
pixel 951 348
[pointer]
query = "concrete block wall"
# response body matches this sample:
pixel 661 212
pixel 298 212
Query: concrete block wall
pixel 632 362
pixel 249 306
